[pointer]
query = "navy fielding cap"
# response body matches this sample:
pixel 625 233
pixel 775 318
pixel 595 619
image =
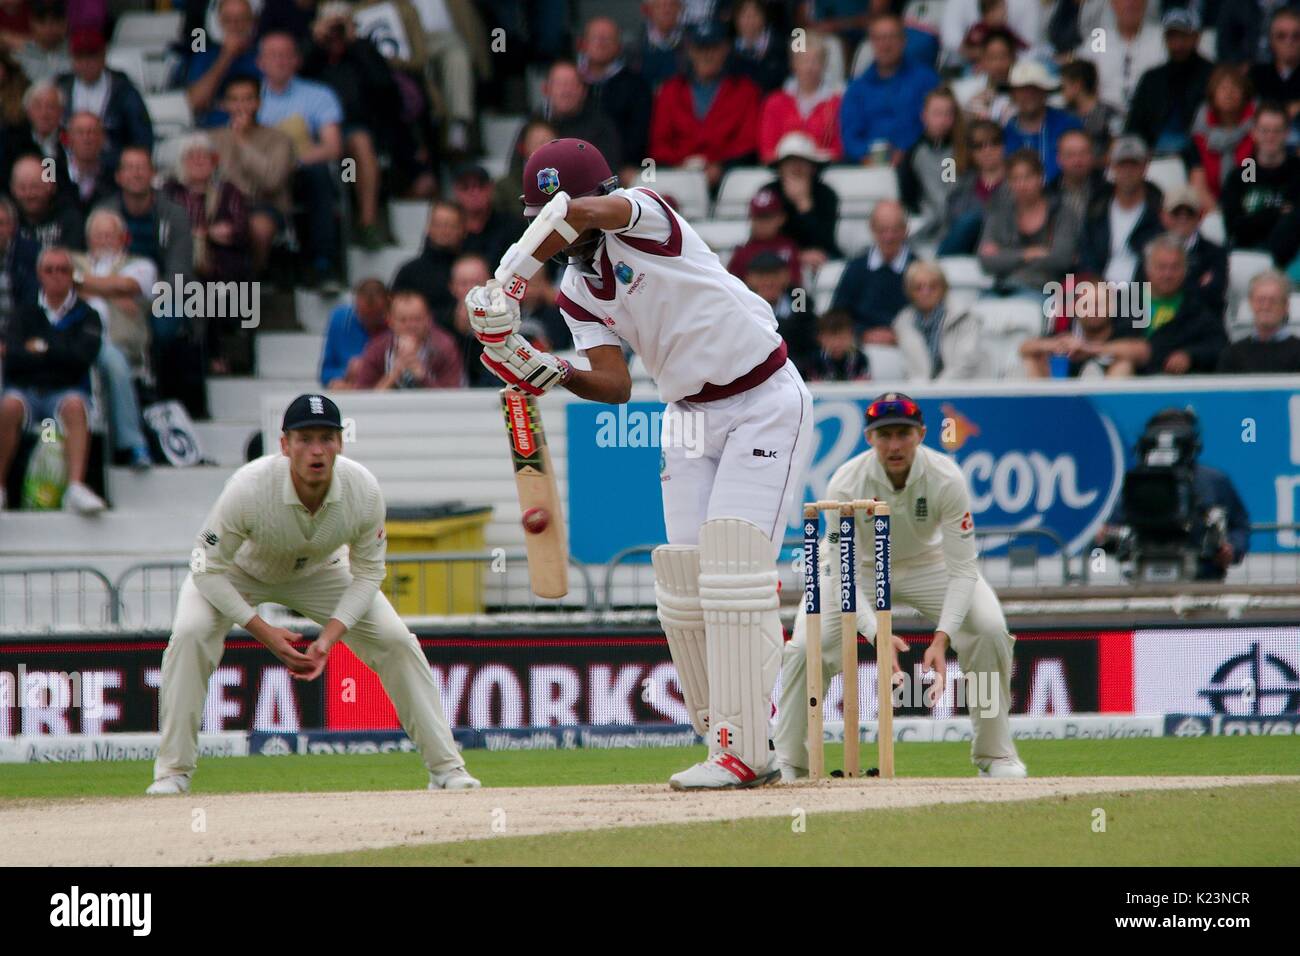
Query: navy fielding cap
pixel 312 411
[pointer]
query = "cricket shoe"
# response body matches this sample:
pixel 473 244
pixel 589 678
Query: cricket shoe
pixel 169 786
pixel 722 771
pixel 457 778
pixel 1003 768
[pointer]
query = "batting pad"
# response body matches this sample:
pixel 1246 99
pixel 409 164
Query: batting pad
pixel 738 592
pixel 677 599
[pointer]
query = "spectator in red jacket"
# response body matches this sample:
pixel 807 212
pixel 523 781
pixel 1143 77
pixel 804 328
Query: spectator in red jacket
pixel 413 353
pixel 1221 139
pixel 703 119
pixel 766 220
pixel 809 102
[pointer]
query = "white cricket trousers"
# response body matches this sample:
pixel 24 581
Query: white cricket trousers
pixel 738 457
pixel 380 639
pixel 983 645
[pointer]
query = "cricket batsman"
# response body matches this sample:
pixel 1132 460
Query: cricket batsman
pixel 932 542
pixel 638 273
pixel 303 528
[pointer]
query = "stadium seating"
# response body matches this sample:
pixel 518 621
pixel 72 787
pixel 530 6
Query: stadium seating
pixel 499 133
pixel 861 187
pixel 965 272
pixel 170 113
pixel 852 236
pixel 723 235
pixel 147 31
pixel 1167 172
pixel 737 189
pixel 689 188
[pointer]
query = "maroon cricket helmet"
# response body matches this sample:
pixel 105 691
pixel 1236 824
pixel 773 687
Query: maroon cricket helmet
pixel 572 165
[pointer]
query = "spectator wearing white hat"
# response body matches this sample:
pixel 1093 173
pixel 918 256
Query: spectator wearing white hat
pixel 812 208
pixel 1035 125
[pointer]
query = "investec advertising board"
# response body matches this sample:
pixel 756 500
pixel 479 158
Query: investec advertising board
pixel 1034 456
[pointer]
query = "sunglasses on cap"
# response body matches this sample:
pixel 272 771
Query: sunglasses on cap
pixel 891 407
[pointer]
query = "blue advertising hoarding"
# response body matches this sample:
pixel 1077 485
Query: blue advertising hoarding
pixel 1034 456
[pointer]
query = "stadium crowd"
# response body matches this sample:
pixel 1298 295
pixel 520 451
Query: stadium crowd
pixel 1017 136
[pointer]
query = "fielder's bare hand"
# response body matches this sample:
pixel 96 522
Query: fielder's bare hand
pixel 317 654
pixel 935 660
pixel 279 641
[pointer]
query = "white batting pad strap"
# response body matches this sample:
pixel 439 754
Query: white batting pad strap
pixel 738 592
pixel 677 599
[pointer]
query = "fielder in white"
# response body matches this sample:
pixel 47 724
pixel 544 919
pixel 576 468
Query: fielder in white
pixel 932 541
pixel 737 431
pixel 303 528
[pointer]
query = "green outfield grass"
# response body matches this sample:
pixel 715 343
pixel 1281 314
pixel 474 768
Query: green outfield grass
pixel 1046 758
pixel 1227 826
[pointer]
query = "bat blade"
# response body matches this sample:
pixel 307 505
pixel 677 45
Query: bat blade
pixel 548 549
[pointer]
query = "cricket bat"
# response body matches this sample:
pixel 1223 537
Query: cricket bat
pixel 539 497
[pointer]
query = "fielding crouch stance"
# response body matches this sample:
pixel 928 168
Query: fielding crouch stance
pixel 305 529
pixel 934 571
pixel 638 272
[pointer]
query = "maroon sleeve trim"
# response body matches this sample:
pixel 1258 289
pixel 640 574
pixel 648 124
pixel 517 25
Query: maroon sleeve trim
pixel 672 246
pixel 575 311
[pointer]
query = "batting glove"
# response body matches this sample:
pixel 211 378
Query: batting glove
pixel 493 315
pixel 524 368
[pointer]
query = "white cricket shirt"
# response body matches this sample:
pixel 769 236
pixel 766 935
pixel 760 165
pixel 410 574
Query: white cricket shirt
pixel 260 526
pixel 666 293
pixel 930 522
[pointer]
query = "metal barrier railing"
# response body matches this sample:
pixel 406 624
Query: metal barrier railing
pixel 413 592
pixel 1017 558
pixel 32 600
pixel 496 580
pixel 509 568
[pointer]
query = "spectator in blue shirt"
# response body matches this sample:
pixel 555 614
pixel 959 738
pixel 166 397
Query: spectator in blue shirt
pixel 884 103
pixel 311 114
pixel 1035 125
pixel 350 330
pixel 208 70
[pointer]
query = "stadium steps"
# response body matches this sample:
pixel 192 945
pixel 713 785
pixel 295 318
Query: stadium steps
pixel 314 309
pixel 288 354
pixel 60 535
pixel 239 399
pixel 381 264
pixel 407 219
pixel 224 442
pixel 143 491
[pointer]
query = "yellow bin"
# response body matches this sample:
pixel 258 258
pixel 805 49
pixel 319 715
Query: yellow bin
pixel 435 587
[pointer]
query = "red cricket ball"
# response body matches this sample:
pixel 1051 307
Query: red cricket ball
pixel 536 520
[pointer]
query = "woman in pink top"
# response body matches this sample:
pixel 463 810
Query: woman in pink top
pixel 809 102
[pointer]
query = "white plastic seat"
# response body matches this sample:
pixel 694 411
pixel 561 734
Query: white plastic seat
pixel 737 189
pixel 722 235
pixel 499 134
pixel 689 188
pixel 170 113
pixel 147 31
pixel 1167 172
pixel 861 187
pixel 852 236
pixel 965 272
